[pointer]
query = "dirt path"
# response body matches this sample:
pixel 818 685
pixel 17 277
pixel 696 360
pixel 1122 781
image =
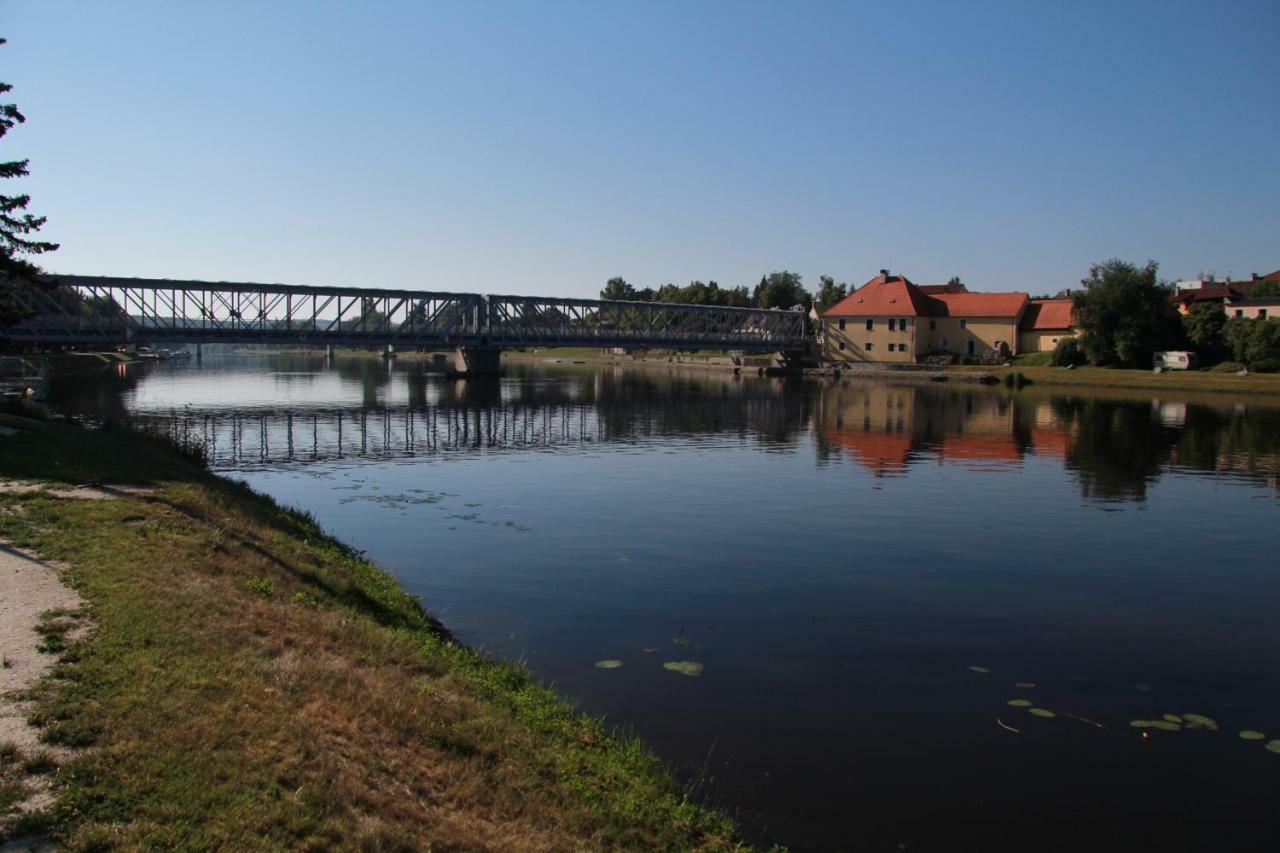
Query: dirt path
pixel 27 589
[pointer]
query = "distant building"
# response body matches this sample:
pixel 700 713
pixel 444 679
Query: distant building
pixel 1220 293
pixel 890 319
pixel 1046 322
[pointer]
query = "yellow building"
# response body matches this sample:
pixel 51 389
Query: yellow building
pixel 1046 322
pixel 889 319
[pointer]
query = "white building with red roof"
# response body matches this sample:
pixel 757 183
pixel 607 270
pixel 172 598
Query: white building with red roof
pixel 892 320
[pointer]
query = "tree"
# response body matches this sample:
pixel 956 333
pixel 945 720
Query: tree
pixel 1254 342
pixel 17 228
pixel 1124 314
pixel 1204 329
pixel 617 288
pixel 781 290
pixel 1266 288
pixel 829 293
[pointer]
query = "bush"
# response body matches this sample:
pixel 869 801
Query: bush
pixel 1267 365
pixel 1254 341
pixel 1226 367
pixel 1068 352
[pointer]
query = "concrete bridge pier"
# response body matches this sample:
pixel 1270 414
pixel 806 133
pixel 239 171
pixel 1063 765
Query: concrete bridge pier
pixel 199 353
pixel 477 361
pixel 328 353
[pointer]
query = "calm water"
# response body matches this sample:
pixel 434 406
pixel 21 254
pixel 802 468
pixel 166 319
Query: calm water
pixel 838 558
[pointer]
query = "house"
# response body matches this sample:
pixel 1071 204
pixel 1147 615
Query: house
pixel 1046 322
pixel 890 319
pixel 1222 293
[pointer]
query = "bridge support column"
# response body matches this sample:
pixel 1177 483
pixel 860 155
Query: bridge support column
pixel 328 353
pixel 199 353
pixel 477 361
pixel 389 352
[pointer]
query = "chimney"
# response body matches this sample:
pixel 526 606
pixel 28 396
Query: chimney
pixel 884 275
pixel 1255 276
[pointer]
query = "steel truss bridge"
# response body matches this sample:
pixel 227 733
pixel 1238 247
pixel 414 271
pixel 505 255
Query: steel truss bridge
pixel 111 311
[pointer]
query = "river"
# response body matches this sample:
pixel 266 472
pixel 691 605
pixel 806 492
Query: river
pixel 866 576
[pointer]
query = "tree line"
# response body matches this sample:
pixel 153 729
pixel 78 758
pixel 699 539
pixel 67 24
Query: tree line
pixel 1125 315
pixel 784 290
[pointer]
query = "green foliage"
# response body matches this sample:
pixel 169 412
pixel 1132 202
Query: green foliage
pixel 781 290
pixel 1204 329
pixel 17 228
pixel 1254 341
pixel 696 293
pixel 1270 364
pixel 1265 288
pixel 1124 313
pixel 829 293
pixel 1068 352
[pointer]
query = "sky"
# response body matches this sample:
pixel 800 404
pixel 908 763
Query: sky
pixel 542 148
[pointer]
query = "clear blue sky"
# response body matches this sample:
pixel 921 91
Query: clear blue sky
pixel 544 147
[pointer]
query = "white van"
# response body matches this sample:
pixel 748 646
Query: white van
pixel 1175 360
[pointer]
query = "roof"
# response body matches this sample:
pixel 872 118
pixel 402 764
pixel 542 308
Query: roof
pixel 949 287
pixel 896 296
pixel 1048 314
pixel 893 296
pixel 977 304
pixel 1264 301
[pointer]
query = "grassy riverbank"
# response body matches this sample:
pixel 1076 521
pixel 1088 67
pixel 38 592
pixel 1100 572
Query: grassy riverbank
pixel 248 682
pixel 1171 381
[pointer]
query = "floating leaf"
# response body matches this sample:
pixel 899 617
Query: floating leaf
pixel 608 664
pixel 1025 685
pixel 1140 724
pixel 1173 718
pixel 1273 746
pixel 1043 712
pixel 1019 703
pixel 979 669
pixel 1250 734
pixel 1165 726
pixel 681 642
pixel 1200 721
pixel 648 650
pixel 685 667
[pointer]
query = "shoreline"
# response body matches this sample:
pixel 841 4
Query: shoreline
pixel 248 680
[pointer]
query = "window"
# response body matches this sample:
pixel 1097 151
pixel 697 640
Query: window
pixel 945 344
pixel 902 324
pixel 971 347
pixel 892 323
pixel 842 326
pixel 842 343
pixel 1053 340
pixel 1239 313
pixel 1262 313
pixel 868 342
pixel 871 324
pixel 964 324
pixel 933 325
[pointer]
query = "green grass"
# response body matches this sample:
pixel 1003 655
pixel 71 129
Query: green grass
pixel 250 682
pixel 1173 380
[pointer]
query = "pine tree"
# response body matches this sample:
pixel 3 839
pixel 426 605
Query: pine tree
pixel 17 227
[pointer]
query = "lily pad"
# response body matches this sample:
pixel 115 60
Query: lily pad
pixel 685 667
pixel 1043 712
pixel 1200 721
pixel 1273 746
pixel 1025 685
pixel 982 669
pixel 1019 703
pixel 608 664
pixel 1165 726
pixel 1250 734
pixel 648 650
pixel 1140 724
pixel 1173 718
pixel 682 642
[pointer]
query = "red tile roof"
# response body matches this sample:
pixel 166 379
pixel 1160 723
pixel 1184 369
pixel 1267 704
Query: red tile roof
pixel 932 289
pixel 891 297
pixel 1048 314
pixel 978 304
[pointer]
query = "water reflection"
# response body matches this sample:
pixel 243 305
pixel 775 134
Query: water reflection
pixel 296 409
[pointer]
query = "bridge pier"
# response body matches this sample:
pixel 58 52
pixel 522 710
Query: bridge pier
pixel 328 353
pixel 199 353
pixel 477 361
